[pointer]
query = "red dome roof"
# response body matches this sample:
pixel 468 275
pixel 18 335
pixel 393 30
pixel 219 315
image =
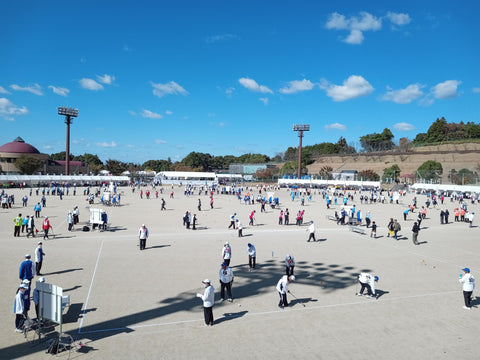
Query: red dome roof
pixel 19 146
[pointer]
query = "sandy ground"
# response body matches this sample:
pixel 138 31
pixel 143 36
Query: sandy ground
pixel 127 303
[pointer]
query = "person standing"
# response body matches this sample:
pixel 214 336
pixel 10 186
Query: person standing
pixel 311 231
pixel 27 269
pixel 208 298
pixel 199 205
pixel 18 224
pixel 468 284
pixel 226 279
pixel 396 228
pixel 286 217
pixel 76 215
pixel 415 230
pixel 37 208
pixel 25 223
pixel 31 227
pixel 46 226
pixel 19 308
pixel 239 228
pixel 39 254
pixel 252 256
pixel 227 253
pixel 282 288
pixel 280 218
pixel 70 220
pixel 143 236
pixel 252 217
pixel 232 221
pixel 163 204
pixel 289 264
pixel 367 281
pixel 36 298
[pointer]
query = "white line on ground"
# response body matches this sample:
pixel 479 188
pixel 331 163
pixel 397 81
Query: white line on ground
pixel 272 312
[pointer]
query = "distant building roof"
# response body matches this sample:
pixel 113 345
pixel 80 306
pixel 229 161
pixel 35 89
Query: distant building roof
pixel 19 146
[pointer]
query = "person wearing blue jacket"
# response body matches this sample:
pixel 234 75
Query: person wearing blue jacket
pixel 27 269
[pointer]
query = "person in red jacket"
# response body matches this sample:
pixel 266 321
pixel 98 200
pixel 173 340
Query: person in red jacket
pixel 46 226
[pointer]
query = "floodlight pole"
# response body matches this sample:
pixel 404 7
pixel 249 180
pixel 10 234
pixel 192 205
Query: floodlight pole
pixel 300 128
pixel 69 114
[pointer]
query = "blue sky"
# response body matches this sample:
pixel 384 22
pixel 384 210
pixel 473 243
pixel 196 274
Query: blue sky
pixel 160 79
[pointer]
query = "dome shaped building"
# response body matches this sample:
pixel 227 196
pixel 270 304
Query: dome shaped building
pixel 12 151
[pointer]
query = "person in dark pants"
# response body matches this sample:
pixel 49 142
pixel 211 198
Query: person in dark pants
pixel 415 230
pixel 143 236
pixel 289 264
pixel 282 288
pixel 19 308
pixel 468 284
pixel 39 254
pixel 208 298
pixel 36 298
pixel 367 281
pixel 18 224
pixel 252 255
pixel 226 279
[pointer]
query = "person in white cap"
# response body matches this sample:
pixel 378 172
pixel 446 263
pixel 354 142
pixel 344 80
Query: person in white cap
pixel 227 253
pixel 36 297
pixel 289 264
pixel 39 254
pixel 468 284
pixel 225 276
pixel 143 236
pixel 46 226
pixel 19 308
pixel 208 298
pixel 282 288
pixel 27 269
pixel 311 231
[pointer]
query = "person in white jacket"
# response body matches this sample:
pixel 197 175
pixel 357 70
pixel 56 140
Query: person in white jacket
pixel 208 298
pixel 311 231
pixel 289 264
pixel 226 279
pixel 367 281
pixel 468 284
pixel 19 308
pixel 282 288
pixel 143 236
pixel 226 253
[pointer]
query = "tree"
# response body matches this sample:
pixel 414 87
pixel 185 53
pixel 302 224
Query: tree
pixel 157 165
pixel 437 132
pixel 253 159
pixel 463 177
pixel 378 142
pixel 391 174
pixel 88 159
pixel 115 167
pixel 326 172
pixel 404 144
pixel 341 147
pixel 28 165
pixel 430 170
pixel 198 161
pixel 368 175
pixel 60 156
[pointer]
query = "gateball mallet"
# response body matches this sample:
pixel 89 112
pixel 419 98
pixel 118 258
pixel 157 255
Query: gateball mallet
pixel 296 298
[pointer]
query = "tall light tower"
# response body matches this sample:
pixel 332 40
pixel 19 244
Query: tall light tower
pixel 300 128
pixel 69 113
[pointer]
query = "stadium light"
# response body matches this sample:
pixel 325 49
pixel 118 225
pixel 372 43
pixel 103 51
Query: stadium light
pixel 69 113
pixel 300 128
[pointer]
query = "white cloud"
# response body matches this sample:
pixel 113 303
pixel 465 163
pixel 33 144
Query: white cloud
pixel 404 96
pixel 252 85
pixel 3 90
pixel 446 90
pixel 133 113
pixel 168 112
pixel 229 91
pixel 399 18
pixel 264 100
pixel 221 37
pixel 107 144
pixel 221 124
pixel 59 90
pixel 403 126
pixel 90 84
pixel 106 79
pixel 296 86
pixel 159 141
pixel 335 126
pixel 355 24
pixel 9 110
pixel 34 89
pixel 355 86
pixel 169 88
pixel 150 114
pixel 126 48
pixel 476 90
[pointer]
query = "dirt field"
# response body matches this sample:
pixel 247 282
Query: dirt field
pixel 127 303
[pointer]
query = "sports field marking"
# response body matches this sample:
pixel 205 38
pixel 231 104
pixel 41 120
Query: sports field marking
pixel 90 288
pixel 307 308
